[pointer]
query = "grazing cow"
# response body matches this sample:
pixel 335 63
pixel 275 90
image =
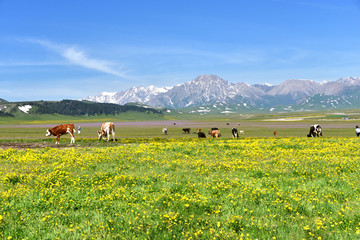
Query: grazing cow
pixel 357 131
pixel 234 133
pixel 107 128
pixel 215 133
pixel 241 132
pixel 186 130
pixel 275 133
pixel 315 131
pixel 200 133
pixel 164 131
pixel 61 130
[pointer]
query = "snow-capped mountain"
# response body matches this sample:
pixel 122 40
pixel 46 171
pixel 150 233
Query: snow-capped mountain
pixel 296 88
pixel 134 94
pixel 211 89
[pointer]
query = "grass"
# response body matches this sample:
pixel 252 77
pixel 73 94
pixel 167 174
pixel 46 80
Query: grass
pixel 183 188
pixel 254 129
pixel 31 119
pixel 148 185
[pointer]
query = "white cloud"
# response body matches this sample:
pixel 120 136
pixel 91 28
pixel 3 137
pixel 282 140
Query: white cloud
pixel 78 57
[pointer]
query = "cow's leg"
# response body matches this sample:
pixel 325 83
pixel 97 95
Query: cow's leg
pixel 108 135
pixel 72 140
pixel 57 139
pixel 113 135
pixel 310 133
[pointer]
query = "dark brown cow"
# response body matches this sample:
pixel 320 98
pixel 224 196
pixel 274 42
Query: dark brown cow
pixel 61 130
pixel 200 133
pixel 186 130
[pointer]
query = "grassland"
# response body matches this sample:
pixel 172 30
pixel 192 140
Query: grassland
pixel 184 188
pixel 147 185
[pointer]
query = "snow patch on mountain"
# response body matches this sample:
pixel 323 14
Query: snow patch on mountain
pixel 25 108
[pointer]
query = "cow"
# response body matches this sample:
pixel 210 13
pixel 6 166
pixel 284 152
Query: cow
pixel 234 133
pixel 315 131
pixel 164 131
pixel 186 130
pixel 275 133
pixel 107 128
pixel 61 130
pixel 215 133
pixel 200 133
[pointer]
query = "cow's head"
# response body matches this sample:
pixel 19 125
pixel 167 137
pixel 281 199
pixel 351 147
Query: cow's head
pixel 319 131
pixel 100 134
pixel 48 133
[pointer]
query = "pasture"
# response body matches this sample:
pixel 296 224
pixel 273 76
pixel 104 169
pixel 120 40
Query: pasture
pixel 147 185
pixel 153 129
pixel 185 188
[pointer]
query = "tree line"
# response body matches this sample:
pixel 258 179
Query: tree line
pixel 76 108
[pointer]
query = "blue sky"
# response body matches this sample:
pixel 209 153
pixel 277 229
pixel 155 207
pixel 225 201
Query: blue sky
pixel 53 50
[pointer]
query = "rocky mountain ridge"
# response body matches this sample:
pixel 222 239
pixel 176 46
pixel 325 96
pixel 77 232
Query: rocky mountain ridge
pixel 211 89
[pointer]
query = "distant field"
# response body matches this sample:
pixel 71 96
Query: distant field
pixel 150 129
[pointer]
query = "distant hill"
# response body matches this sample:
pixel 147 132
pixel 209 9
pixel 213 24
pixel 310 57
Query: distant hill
pixel 70 108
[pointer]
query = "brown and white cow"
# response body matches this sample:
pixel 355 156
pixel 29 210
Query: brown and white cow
pixel 107 128
pixel 215 133
pixel 61 130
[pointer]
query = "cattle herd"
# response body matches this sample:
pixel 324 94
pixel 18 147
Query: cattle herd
pixel 108 128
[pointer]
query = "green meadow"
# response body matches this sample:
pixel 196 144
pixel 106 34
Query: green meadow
pixel 183 188
pixel 133 124
pixel 147 185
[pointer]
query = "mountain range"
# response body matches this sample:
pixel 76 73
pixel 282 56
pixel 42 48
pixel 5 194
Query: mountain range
pixel 207 90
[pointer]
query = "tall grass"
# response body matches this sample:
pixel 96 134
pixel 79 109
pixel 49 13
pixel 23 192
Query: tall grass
pixel 259 188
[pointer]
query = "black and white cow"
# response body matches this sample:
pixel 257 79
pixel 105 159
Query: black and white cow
pixel 315 131
pixel 234 133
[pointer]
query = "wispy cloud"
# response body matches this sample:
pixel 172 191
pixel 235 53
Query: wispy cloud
pixel 78 57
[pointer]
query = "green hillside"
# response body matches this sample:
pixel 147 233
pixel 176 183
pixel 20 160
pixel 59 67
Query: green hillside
pixel 12 112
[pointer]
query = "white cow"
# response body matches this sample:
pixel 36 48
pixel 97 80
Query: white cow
pixel 107 129
pixel 164 131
